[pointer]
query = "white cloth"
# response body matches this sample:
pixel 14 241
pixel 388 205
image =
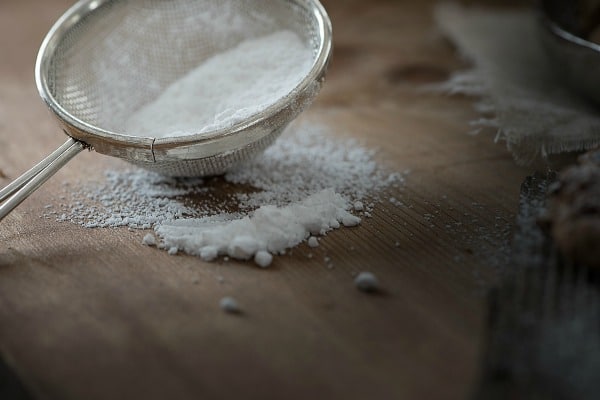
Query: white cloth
pixel 520 92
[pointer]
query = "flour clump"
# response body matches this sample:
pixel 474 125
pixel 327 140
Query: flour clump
pixel 229 305
pixel 367 282
pixel 263 258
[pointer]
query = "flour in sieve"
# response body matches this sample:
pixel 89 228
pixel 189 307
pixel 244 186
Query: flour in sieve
pixel 227 88
pixel 308 163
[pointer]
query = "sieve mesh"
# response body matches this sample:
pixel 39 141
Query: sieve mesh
pixel 111 57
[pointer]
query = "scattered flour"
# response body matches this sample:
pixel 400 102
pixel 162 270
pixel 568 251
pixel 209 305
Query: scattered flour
pixel 227 88
pixel 303 186
pixel 313 241
pixel 309 158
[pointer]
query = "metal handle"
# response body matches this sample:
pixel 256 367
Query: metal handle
pixel 18 190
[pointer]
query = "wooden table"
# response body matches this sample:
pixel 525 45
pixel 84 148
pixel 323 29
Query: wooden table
pixel 93 314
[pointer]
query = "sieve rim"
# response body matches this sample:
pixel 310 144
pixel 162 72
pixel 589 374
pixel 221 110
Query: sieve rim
pixel 194 146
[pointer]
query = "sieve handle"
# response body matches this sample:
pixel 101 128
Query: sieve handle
pixel 18 190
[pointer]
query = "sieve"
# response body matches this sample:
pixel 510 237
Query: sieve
pixel 104 59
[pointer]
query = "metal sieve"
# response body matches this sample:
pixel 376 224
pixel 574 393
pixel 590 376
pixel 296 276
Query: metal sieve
pixel 104 59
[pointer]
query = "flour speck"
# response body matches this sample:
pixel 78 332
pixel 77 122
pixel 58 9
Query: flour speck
pixel 229 305
pixel 149 240
pixel 367 282
pixel 263 258
pixel 313 241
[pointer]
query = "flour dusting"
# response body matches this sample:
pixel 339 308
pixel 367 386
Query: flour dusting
pixel 305 185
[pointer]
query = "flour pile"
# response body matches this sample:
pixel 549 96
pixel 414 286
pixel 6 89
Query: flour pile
pixel 269 229
pixel 308 183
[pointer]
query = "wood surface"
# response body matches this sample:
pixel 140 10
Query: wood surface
pixel 93 314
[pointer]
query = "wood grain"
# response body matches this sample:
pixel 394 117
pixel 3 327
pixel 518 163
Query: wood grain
pixel 92 314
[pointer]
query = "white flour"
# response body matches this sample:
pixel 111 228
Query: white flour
pixel 227 88
pixel 305 184
pixel 269 229
pixel 367 282
pixel 229 305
